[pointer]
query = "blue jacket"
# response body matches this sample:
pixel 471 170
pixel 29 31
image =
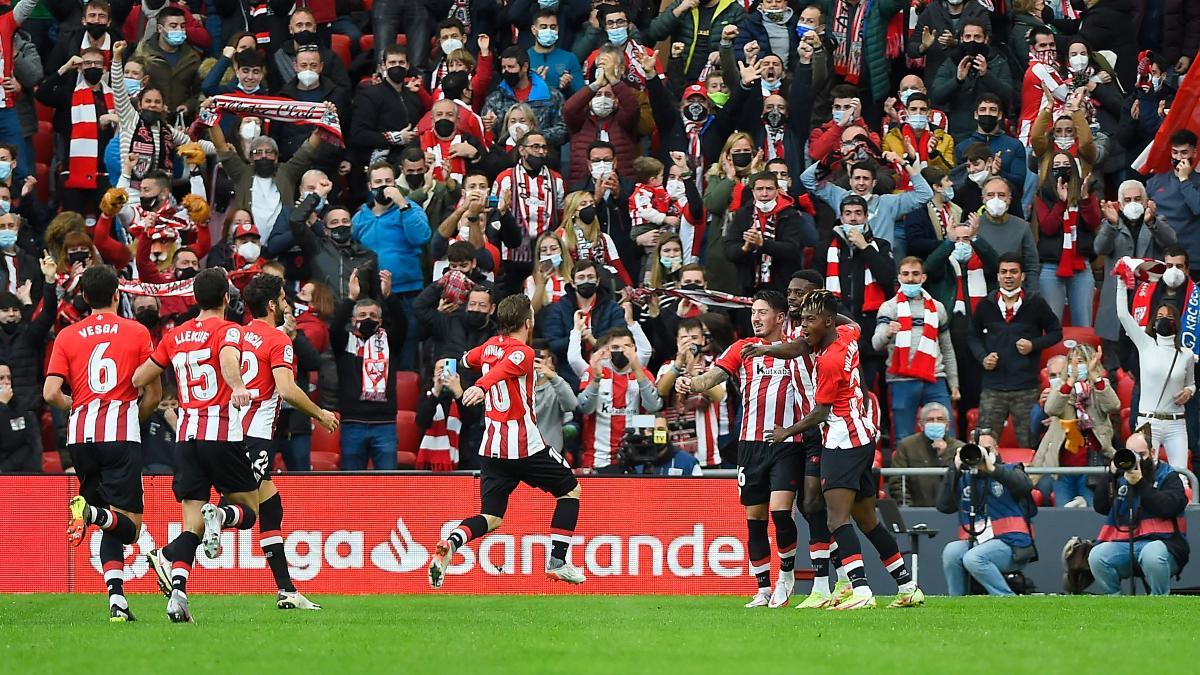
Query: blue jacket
pixel 545 102
pixel 557 320
pixel 558 62
pixel 1179 203
pixel 751 28
pixel 1157 504
pixel 1008 490
pixel 398 238
pixel 1012 158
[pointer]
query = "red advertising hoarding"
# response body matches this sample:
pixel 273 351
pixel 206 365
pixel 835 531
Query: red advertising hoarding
pixel 375 533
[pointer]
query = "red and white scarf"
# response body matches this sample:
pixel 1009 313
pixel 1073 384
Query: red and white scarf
pixel 849 23
pixel 278 109
pixel 83 161
pixel 922 363
pixel 171 289
pixel 1071 261
pixel 692 130
pixel 440 149
pixel 1143 296
pixel 976 283
pixel 773 141
pixel 765 222
pixel 919 143
pixel 872 291
pixel 439 445
pixel 534 201
pixel 1010 313
pixel 375 353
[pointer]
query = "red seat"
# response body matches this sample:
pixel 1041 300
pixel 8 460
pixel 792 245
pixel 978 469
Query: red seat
pixel 1125 385
pixel 340 44
pixel 278 465
pixel 1125 422
pixel 1016 455
pixel 1079 335
pixel 51 463
pixel 325 441
pixel 324 461
pixel 408 390
pixel 406 460
pixel 314 389
pixel 42 173
pixel 1008 435
pixel 49 437
pixel 44 113
pixel 408 434
pixel 366 43
pixel 43 143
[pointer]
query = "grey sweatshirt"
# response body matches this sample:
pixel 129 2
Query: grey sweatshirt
pixel 946 365
pixel 552 400
pixel 1013 235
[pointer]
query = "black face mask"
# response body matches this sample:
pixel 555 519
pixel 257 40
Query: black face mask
pixel 692 287
pixel 380 197
pixel 587 289
pixel 535 163
pixel 741 159
pixel 95 30
pixel 367 327
pixel 694 112
pixel 149 203
pixel 77 257
pixel 476 320
pixel 305 37
pixel 443 127
pixel 10 328
pixel 150 117
pixel 414 180
pixel 183 273
pixel 619 360
pixel 397 74
pixel 1164 326
pixel 975 49
pixel 340 235
pixel 1061 172
pixel 511 79
pixel 775 118
pixel 92 75
pixel 264 167
pixel 587 214
pixel 147 317
pixel 988 123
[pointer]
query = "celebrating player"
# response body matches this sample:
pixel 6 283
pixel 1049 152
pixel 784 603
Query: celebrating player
pixel 206 355
pixel 513 451
pixel 768 474
pixel 269 372
pixel 96 357
pixel 849 438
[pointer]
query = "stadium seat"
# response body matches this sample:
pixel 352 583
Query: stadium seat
pixel 314 388
pixel 340 44
pixel 1126 420
pixel 406 460
pixel 408 390
pixel 44 113
pixel 42 173
pixel 277 465
pixel 49 436
pixel 326 442
pixel 408 434
pixel 1125 385
pixel 324 461
pixel 43 143
pixel 1021 455
pixel 1008 436
pixel 1070 333
pixel 51 462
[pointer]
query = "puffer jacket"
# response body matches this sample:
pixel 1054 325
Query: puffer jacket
pixel 1180 29
pixel 684 29
pixel 878 66
pixel 584 128
pixel 545 101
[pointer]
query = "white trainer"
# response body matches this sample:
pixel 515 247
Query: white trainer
pixel 177 608
pixel 294 600
pixel 162 570
pixel 761 599
pixel 213 520
pixel 783 590
pixel 565 572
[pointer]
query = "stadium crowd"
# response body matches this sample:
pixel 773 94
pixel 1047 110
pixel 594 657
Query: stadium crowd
pixel 962 168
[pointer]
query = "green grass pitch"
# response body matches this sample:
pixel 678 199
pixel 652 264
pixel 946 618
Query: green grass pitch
pixel 599 634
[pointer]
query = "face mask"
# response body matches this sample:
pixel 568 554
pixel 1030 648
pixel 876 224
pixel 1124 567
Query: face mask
pixel 935 431
pixel 978 177
pixel 367 327
pixel 601 169
pixel 414 180
pixel 149 117
pixel 92 75
pixel 77 258
pixel 548 4
pixel 517 129
pixel 476 320
pixel 774 15
pixel 1081 371
pixel 511 79
pixel 904 95
pixel 783 184
pixel 1079 62
pixel 10 328
pixel 248 90
pixel 948 194
pixel 1164 326
pixel 554 260
pixel 149 203
pixel 5 170
pixel 918 122
pixel 5 207
pixel 95 30
pixel 911 290
pixel 838 115
pixel 587 214
pixel 694 112
pixel 147 317
pixel 670 263
pixel 380 197
pixel 772 85
pixel 775 118
pixel 996 207
pixel 956 2
pixel 587 289
pixel 183 273
pixel 320 199
pixel 988 123
pixel 1157 81
pixel 249 251
pixel 133 86
pixel 397 74
pixel 1133 211
pixel 535 163
pixel 264 167
pixel 249 131
pixel 176 37
pixel 8 238
pixel 546 37
pixel 305 37
pixel 602 106
pixel 340 235
pixel 1010 294
pixel 676 188
pixel 307 78
pixel 618 36
pixel 444 127
pixel 1173 277
pixel 1056 383
pixel 962 251
pixel 451 45
pixel 619 360
pixel 741 159
pixel 765 207
pixel 1063 172
pixel 719 98
pixel 1064 142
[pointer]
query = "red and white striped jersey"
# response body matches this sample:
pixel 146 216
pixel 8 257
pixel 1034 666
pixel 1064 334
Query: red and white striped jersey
pixel 556 288
pixel 510 428
pixel 838 386
pixel 96 357
pixel 193 350
pixel 701 424
pixel 804 370
pixel 536 202
pixel 619 397
pixel 264 349
pixel 768 398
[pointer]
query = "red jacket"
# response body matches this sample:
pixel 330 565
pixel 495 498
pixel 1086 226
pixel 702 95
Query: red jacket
pixel 584 128
pixel 828 137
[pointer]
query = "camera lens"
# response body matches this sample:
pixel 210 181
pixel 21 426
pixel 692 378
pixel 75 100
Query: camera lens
pixel 970 454
pixel 1124 459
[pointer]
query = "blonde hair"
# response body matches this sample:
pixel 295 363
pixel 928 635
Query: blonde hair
pixel 528 112
pixel 590 230
pixel 1081 353
pixel 566 267
pixel 717 168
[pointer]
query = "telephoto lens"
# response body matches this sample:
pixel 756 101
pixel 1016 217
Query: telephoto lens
pixel 970 454
pixel 1125 459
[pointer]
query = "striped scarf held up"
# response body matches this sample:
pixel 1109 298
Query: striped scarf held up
pixel 439 445
pixel 872 291
pixel 83 154
pixel 921 364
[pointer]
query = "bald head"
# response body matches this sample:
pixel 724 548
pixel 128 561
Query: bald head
pixel 1137 443
pixel 912 82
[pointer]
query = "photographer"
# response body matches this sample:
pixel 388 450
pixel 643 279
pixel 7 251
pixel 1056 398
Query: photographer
pixel 692 420
pixel 614 388
pixel 650 451
pixel 1143 498
pixel 994 509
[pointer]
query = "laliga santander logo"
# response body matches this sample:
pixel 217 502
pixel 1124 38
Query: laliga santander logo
pixel 400 553
pixel 135 570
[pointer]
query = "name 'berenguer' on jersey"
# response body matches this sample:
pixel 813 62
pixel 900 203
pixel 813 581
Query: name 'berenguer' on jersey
pixel 191 349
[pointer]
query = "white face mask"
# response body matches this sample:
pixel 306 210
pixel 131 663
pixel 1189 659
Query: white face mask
pixel 675 188
pixel 1079 62
pixel 962 251
pixel 250 131
pixel 1174 277
pixel 1064 142
pixel 602 106
pixel 249 251
pixel 307 78
pixel 996 207
pixel 451 45
pixel 765 207
pixel 601 169
pixel 1133 211
pixel 517 129
pixel 978 177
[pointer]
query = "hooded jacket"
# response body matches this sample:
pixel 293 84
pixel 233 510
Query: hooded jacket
pixel 685 29
pixel 331 262
pixel 559 319
pixel 545 101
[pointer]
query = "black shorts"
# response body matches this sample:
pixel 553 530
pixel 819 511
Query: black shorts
pixel 259 450
pixel 203 465
pixel 110 474
pixel 546 471
pixel 764 468
pixel 811 441
pixel 849 469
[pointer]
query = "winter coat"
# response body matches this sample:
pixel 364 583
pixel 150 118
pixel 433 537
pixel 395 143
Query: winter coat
pixel 584 128
pixel 938 18
pixel 685 29
pixel 1115 241
pixel 958 98
pixel 545 101
pixel 875 60
pixel 558 320
pixel 1061 406
pixel 1180 29
pixel 1107 24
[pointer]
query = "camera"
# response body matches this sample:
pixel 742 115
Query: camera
pixel 1125 459
pixel 642 443
pixel 971 455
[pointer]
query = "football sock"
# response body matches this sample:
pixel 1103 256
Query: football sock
pixel 785 539
pixel 114 523
pixel 759 548
pixel 562 526
pixel 889 553
pixel 184 551
pixel 850 553
pixel 112 556
pixel 818 549
pixel 237 516
pixel 471 528
pixel 835 562
pixel 269 539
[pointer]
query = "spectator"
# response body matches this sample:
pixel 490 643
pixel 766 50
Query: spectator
pixel 18 266
pixel 79 95
pixel 936 34
pixel 699 24
pixel 772 28
pixel 22 340
pixel 1027 24
pixel 561 66
pixel 588 304
pixel 522 86
pixel 614 387
pixel 610 193
pixel 386 114
pixel 1008 155
pixel 933 147
pixel 921 368
pixel 723 195
pixel 451 432
pixel 972 69
pixel 1068 215
pixel 1079 404
pixel 548 283
pixel 452 152
pixel 10 126
pixel 173 66
pixel 531 193
pixel 553 398
pixel 862 59
pixel 692 421
pixel 1004 231
pixel 847 110
pixel 691 125
pixel 468 222
pixel 994 513
pixel 602 111
pixel 455 311
pixel 1177 195
pixel 766 237
pixel 1146 500
pixel 283 66
pixel 158 436
pixel 584 241
pixel 20 441
pixel 666 270
pixel 1008 333
pixel 313 82
pixel 331 250
pixel 925 229
pixel 932 446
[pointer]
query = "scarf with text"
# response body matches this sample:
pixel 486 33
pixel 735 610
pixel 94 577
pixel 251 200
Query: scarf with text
pixel 922 363
pixel 439 445
pixel 83 154
pixel 445 166
pixel 773 141
pixel 920 142
pixel 765 222
pixel 1070 262
pixel 171 289
pixel 534 200
pixel 975 286
pixel 150 153
pixel 278 109
pixel 376 356
pixel 849 23
pixel 872 291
